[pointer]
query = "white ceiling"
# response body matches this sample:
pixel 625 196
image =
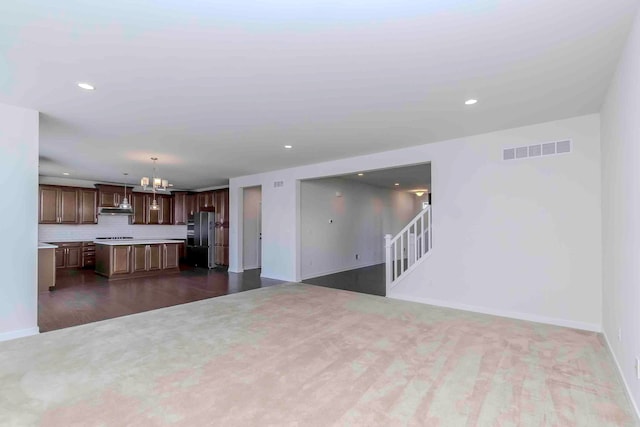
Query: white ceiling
pixel 215 89
pixel 409 178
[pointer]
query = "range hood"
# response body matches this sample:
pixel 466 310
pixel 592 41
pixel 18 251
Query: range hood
pixel 115 211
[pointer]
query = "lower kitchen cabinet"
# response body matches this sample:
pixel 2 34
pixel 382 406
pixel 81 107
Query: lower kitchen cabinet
pixel 72 254
pixel 119 257
pixel 171 256
pixel 147 258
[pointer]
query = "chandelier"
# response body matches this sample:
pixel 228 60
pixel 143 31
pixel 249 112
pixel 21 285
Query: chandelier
pixel 155 183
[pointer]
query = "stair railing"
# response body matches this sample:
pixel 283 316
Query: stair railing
pixel 408 247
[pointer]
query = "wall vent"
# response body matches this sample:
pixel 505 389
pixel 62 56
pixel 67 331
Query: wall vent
pixel 537 150
pixel 278 184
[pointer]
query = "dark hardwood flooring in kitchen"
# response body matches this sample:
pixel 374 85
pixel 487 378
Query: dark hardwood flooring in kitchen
pixel 81 296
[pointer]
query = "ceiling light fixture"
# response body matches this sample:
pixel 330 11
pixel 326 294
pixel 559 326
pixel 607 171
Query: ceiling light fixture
pixel 396 184
pixel 65 173
pixel 86 86
pixel 360 174
pixel 419 191
pixel 156 183
pixel 288 146
pixel 470 101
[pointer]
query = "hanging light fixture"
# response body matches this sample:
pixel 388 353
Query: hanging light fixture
pixel 124 204
pixel 156 183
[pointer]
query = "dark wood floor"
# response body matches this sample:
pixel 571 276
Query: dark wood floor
pixel 368 280
pixel 81 296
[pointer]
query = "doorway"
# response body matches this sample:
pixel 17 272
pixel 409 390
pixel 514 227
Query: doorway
pixel 252 228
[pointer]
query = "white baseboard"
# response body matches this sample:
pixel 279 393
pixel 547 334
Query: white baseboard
pixel 250 267
pixel 592 327
pixel 340 270
pixel 275 277
pixel 624 381
pixel 6 336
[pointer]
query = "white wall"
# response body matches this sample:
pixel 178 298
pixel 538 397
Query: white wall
pixel 520 238
pixel 251 216
pixel 621 212
pixel 333 229
pixel 18 221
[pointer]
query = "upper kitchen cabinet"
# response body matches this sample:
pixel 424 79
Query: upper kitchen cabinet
pixel 205 202
pixel 139 205
pixel 192 204
pixel 109 196
pixel 180 212
pixel 164 214
pixel 221 206
pixel 143 214
pixel 60 205
pixel 88 206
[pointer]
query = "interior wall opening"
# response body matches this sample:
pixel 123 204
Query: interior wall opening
pixel 343 220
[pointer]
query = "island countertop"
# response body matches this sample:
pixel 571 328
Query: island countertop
pixel 128 242
pixel 42 245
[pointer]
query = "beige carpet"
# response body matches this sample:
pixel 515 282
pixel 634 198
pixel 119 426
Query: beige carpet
pixel 310 356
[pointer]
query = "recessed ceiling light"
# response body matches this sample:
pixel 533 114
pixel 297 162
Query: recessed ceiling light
pixel 288 146
pixel 65 173
pixel 470 101
pixel 396 184
pixel 360 174
pixel 86 86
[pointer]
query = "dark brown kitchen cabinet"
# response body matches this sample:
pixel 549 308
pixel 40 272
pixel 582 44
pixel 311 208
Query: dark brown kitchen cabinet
pixel 68 255
pixel 164 214
pixel 171 256
pixel 109 196
pixel 221 208
pixel 143 214
pixel 139 206
pixel 146 258
pixel 180 213
pixel 120 259
pixel 192 204
pixel 88 206
pixel 58 205
pixel 67 205
pixel 88 255
pixel 205 201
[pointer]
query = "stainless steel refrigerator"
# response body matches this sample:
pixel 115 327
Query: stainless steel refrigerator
pixel 200 239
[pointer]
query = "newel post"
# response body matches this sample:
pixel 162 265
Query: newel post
pixel 388 265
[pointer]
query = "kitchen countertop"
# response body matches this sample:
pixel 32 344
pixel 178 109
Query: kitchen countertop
pixel 136 242
pixel 42 245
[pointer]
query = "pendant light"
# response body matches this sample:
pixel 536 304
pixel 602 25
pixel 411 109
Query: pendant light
pixel 124 204
pixel 156 183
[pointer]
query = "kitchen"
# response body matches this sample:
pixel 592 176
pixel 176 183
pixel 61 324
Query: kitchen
pixel 89 232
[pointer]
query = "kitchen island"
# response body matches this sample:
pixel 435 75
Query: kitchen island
pixel 125 259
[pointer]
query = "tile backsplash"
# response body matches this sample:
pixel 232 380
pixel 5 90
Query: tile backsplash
pixel 109 226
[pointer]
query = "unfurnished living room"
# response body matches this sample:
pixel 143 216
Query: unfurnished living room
pixel 320 213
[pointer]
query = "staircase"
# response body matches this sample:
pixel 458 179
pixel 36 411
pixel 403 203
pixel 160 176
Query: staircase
pixel 408 248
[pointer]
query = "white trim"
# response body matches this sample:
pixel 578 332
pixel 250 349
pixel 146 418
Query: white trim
pixel 6 336
pixel 592 327
pixel 341 269
pixel 624 381
pixel 250 267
